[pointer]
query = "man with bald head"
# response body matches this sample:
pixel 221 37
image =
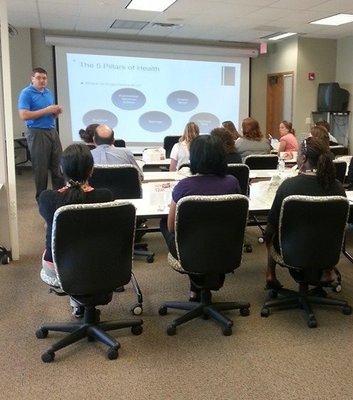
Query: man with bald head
pixel 106 153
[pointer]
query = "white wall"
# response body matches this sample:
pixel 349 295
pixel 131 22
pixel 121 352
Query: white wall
pixel 21 66
pixel 344 75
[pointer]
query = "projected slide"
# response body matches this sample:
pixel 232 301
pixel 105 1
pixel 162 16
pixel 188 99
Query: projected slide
pixel 146 99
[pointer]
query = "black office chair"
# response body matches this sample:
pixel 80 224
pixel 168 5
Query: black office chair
pixel 124 182
pixel 311 232
pixel 168 143
pixel 185 165
pixel 241 172
pixel 119 143
pixel 261 161
pixel 209 239
pixel 92 253
pixel 341 168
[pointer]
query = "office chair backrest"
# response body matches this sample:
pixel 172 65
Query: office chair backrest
pixel 261 161
pixel 311 230
pixel 92 246
pixel 168 143
pixel 209 232
pixel 119 143
pixel 185 165
pixel 122 180
pixel 341 168
pixel 241 172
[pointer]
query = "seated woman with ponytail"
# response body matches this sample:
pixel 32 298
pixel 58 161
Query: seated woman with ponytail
pixel 316 178
pixel 77 165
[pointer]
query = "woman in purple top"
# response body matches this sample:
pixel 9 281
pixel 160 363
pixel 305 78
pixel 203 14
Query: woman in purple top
pixel 208 166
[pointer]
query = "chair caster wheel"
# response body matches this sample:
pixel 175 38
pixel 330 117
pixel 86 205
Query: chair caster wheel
pixel 171 330
pixel 265 312
pixel 137 309
pixel 347 310
pixel 244 312
pixel 312 323
pixel 48 356
pixel 41 333
pixel 5 260
pixel 162 310
pixel 337 288
pixel 248 248
pixel 136 330
pixel 227 331
pixel 261 240
pixel 113 353
pixel 150 259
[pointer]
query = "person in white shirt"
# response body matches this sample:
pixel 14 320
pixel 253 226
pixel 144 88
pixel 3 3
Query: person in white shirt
pixel 180 152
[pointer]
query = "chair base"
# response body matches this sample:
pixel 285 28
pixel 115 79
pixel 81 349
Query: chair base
pixel 141 249
pixel 205 309
pixel 90 328
pixel 285 299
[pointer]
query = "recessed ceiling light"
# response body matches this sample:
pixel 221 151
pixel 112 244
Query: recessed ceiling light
pixel 148 5
pixel 335 20
pixel 282 36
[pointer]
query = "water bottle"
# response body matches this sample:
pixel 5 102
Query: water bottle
pixel 281 165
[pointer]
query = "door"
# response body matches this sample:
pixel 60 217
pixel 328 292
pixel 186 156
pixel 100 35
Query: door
pixel 279 101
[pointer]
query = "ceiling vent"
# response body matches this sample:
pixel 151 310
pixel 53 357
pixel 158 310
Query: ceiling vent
pixel 130 25
pixel 166 25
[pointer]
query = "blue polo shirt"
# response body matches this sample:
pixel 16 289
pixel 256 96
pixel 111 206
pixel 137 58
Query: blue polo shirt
pixel 33 99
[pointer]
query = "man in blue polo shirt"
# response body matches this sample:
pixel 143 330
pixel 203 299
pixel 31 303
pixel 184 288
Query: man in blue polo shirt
pixel 36 107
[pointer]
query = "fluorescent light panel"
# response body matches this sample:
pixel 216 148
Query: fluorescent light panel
pixel 282 36
pixel 150 5
pixel 334 20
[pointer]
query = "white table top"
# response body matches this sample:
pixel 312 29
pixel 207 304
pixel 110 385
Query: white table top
pixel 160 176
pixel 157 197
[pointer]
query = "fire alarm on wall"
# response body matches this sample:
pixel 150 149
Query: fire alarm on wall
pixel 311 76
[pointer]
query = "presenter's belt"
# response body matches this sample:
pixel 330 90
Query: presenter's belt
pixel 41 129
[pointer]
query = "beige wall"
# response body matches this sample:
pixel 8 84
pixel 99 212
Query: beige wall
pixel 21 66
pixel 42 55
pixel 344 74
pixel 281 57
pixel 298 55
pixel 314 55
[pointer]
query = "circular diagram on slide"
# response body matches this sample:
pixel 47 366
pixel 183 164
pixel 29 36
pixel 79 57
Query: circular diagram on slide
pixel 155 121
pixel 182 100
pixel 100 117
pixel 128 99
pixel 205 121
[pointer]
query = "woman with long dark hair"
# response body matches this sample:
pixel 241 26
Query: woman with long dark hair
pixel 209 168
pixel 87 135
pixel 77 165
pixel 317 177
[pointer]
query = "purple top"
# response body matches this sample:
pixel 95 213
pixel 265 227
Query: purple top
pixel 206 185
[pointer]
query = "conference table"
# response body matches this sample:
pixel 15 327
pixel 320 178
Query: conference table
pixel 156 197
pixel 160 176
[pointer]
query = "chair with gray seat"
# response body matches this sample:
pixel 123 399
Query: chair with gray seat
pixel 168 143
pixel 92 254
pixel 261 161
pixel 311 232
pixel 209 236
pixel 341 169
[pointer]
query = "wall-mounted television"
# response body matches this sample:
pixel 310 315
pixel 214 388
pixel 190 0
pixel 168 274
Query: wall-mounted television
pixel 332 98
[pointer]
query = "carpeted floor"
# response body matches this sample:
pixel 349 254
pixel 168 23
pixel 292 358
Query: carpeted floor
pixel 273 358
